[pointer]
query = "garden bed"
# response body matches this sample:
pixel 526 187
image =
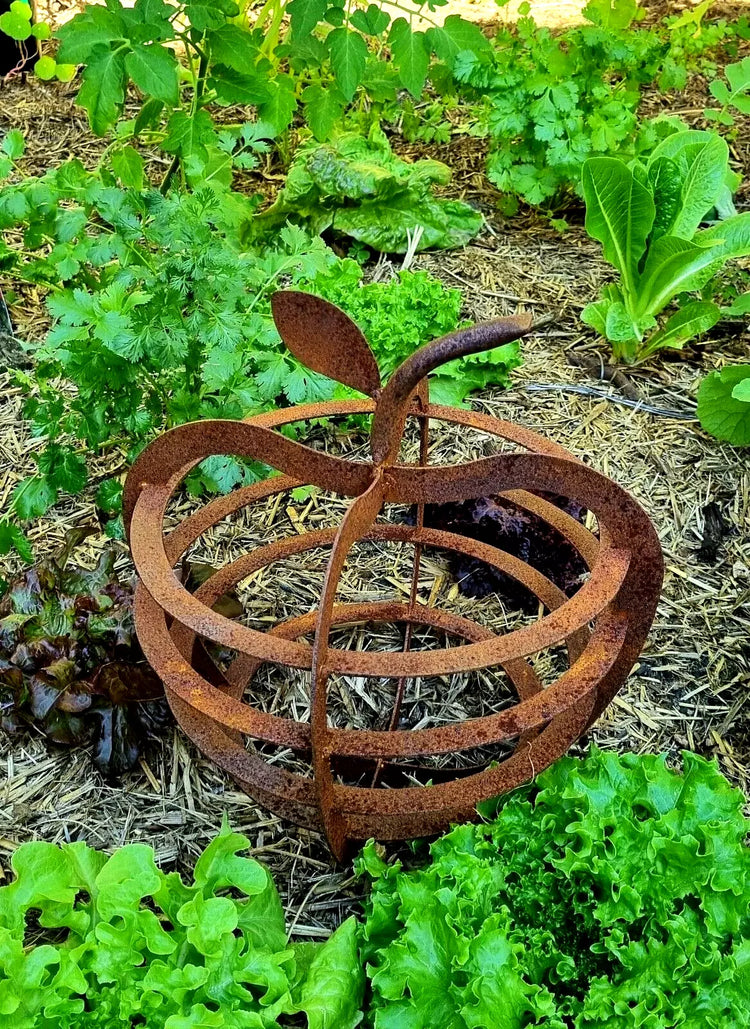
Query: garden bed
pixel 690 688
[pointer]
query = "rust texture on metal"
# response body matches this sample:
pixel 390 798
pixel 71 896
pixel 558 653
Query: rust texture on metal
pixel 357 789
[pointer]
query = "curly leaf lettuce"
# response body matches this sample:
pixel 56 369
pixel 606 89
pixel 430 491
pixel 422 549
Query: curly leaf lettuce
pixel 116 941
pixel 616 892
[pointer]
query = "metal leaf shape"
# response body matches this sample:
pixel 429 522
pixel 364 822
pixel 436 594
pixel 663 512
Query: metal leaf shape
pixel 325 339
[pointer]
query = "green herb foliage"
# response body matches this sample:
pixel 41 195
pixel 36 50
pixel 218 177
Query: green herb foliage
pixel 549 101
pixel 277 57
pixel 159 319
pixel 647 219
pixel 118 942
pixel 357 187
pixel 696 43
pixel 70 664
pixel 734 93
pixel 724 404
pixel 614 893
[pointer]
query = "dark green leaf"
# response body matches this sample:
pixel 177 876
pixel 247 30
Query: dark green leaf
pixel 33 497
pixel 13 144
pixel 148 116
pixel 210 14
pixel 189 136
pixel 348 59
pixel 233 87
pixel 103 89
pixel 83 34
pixel 127 165
pixel 305 15
pixel 233 47
pixel 12 538
pixel 275 115
pixel 109 496
pixel 324 108
pixel 153 68
pixel 410 55
pixel 456 36
pixel 373 21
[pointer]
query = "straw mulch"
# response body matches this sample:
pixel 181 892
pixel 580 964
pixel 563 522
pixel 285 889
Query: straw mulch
pixel 690 688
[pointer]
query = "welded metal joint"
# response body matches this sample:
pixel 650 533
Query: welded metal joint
pixel 353 794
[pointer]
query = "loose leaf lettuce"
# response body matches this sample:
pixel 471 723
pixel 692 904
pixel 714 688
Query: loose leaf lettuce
pixel 118 942
pixel 356 186
pixel 615 892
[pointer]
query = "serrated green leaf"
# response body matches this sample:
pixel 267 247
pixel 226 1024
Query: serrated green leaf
pixel 305 15
pixel 348 52
pixel 324 108
pixel 153 68
pixel 103 90
pixel 62 468
pixel 455 36
pixel 33 497
pixel 189 136
pixel 233 87
pixel 210 14
pixel 13 144
pixel 233 47
pixel 275 115
pixel 94 27
pixel 12 538
pixel 373 21
pixel 109 496
pixel 128 166
pixel 410 55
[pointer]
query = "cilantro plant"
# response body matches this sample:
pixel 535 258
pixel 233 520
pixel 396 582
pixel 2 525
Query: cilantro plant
pixel 724 404
pixel 647 219
pixel 548 101
pixel 118 942
pixel 159 318
pixel 356 186
pixel 615 892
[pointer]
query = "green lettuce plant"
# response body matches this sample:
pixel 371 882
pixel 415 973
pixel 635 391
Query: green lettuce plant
pixel 92 940
pixel 647 217
pixel 615 892
pixel 355 185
